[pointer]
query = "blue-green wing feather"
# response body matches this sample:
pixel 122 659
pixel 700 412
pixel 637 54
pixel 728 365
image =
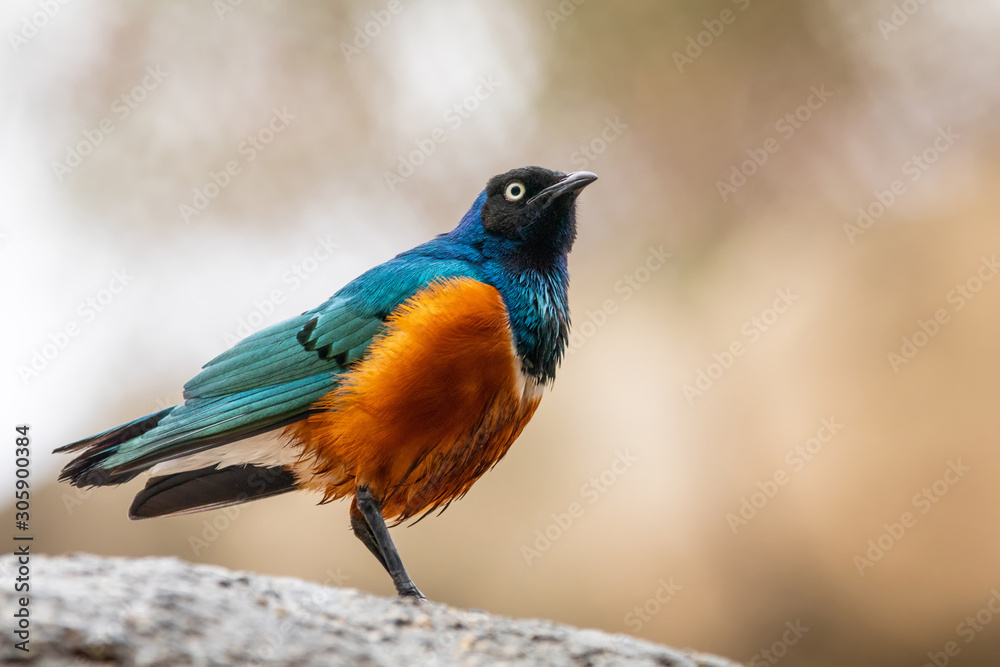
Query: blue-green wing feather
pixel 203 423
pixel 272 377
pixel 325 339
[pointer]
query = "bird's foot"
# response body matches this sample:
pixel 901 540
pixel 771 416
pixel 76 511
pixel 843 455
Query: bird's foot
pixel 411 591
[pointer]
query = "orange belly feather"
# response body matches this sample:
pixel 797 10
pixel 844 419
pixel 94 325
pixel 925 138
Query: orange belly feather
pixel 436 403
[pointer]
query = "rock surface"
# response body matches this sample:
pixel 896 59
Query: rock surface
pixel 89 610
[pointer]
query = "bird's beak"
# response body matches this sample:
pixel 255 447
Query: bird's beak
pixel 572 183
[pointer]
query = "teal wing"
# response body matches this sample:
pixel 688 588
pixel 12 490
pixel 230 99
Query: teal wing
pixel 327 339
pixel 266 381
pixel 322 341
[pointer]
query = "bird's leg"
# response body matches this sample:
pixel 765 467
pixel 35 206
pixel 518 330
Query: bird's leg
pixel 364 533
pixel 378 541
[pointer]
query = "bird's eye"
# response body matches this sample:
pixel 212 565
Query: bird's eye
pixel 514 191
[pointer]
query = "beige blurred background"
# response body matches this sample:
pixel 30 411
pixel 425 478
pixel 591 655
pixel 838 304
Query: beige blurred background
pixel 620 89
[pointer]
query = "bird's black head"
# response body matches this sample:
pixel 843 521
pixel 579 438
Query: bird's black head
pixel 534 208
pixel 518 233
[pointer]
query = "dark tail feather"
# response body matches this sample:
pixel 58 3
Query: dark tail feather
pixel 85 469
pixel 209 488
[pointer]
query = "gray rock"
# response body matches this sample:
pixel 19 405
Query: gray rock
pixel 89 610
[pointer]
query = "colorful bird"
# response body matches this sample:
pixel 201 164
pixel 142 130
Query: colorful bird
pixel 401 390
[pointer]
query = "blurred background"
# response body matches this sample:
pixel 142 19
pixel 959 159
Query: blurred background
pixel 778 417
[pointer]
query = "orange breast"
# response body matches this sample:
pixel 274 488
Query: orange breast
pixel 437 401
